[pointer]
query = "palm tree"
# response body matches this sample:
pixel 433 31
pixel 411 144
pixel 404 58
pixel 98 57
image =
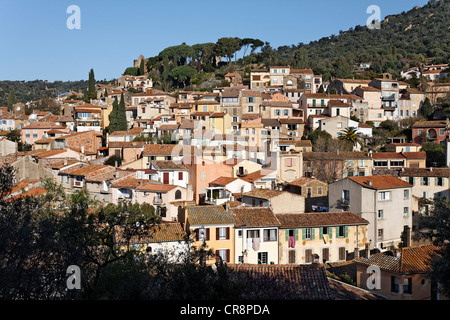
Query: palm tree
pixel 351 135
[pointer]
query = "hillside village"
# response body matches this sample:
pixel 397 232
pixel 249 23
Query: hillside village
pixel 236 168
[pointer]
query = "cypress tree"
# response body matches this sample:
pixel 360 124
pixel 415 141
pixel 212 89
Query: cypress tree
pixel 142 68
pixel 11 99
pixel 122 115
pixel 113 117
pixel 91 85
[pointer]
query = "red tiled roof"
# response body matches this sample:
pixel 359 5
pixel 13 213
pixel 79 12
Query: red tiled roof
pixel 380 182
pixel 254 217
pixel 222 181
pixel 316 219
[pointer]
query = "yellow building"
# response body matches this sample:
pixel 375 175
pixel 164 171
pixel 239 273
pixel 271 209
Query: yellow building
pixel 212 228
pixel 320 236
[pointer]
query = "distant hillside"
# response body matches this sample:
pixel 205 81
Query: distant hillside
pixel 420 35
pixel 33 90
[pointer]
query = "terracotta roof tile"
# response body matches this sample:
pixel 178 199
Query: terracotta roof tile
pixel 161 232
pixel 380 182
pixel 262 193
pixel 316 219
pixel 157 187
pixel 206 215
pixel 254 217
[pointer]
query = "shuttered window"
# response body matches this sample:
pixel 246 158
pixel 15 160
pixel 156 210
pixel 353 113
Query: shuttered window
pixel 308 255
pixel 325 254
pixel 291 256
pixel 342 255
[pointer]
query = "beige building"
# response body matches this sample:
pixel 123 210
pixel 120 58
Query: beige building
pixel 385 201
pixel 259 79
pixel 410 102
pixel 289 166
pixel 314 191
pixel 279 201
pixel 321 237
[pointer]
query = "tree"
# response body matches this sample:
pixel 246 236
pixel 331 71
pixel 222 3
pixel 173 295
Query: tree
pixel 437 222
pixel 427 109
pixel 182 74
pixel 122 115
pixel 142 68
pixel 227 47
pixel 91 85
pixel 114 116
pixel 115 161
pixel 351 135
pixel 12 100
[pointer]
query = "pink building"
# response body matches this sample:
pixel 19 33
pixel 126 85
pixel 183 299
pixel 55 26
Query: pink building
pixel 38 130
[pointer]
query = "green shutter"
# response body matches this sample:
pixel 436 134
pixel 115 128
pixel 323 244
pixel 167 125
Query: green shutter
pixel 296 234
pixel 321 233
pixel 304 234
pixel 287 234
pixel 346 231
pixel 337 232
pixel 312 233
pixel 436 181
pixel 330 232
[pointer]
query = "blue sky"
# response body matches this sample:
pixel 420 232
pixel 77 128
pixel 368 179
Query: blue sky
pixel 36 43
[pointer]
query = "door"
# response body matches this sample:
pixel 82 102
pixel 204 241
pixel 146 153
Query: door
pixel 165 178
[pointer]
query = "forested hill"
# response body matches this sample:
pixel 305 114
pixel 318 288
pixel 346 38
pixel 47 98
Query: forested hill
pixel 420 34
pixel 33 90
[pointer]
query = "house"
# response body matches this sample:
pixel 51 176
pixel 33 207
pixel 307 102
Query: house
pixel 222 189
pixel 259 79
pixel 234 78
pixel 279 201
pixel 38 131
pixel 124 188
pixel 293 127
pixel 403 147
pixel 387 160
pixel 74 178
pixel 163 198
pixel 214 227
pixel 403 275
pixel 327 236
pixel 98 184
pixel 313 190
pixel 436 131
pixel 346 86
pixel 242 167
pixel 410 102
pixel 171 172
pixel 91 117
pixel 85 142
pixel 128 151
pixel 201 172
pixel 256 235
pixel 262 179
pixel 167 239
pixel 124 136
pixel 385 201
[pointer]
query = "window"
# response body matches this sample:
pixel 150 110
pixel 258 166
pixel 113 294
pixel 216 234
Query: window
pixel 250 108
pixel 442 132
pixel 406 194
pixel 203 176
pixel 439 181
pixel 380 233
pixel 397 163
pixel 350 163
pixel 342 253
pixel 346 195
pixel 407 286
pixel 262 257
pixel 380 214
pixel 361 163
pixel 319 191
pixel 384 195
pixel 277 112
pixel 308 255
pixel 342 231
pixel 270 235
pixel 180 175
pixel 424 181
pixel 291 256
pixel 223 254
pixel 395 287
pixel 405 211
pixel 307 234
pixel 203 234
pixel 222 233
pixel 177 195
pixel 339 124
pixel 252 234
pixel 286 112
pixel 325 254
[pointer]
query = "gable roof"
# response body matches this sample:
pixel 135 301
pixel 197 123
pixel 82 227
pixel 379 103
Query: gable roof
pixel 315 219
pixel 168 165
pixel 161 232
pixel 205 215
pixel 380 182
pixel 301 282
pixel 254 217
pixel 263 193
pixel 411 259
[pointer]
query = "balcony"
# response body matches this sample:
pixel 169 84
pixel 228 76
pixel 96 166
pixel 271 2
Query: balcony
pixel 343 202
pixel 217 195
pixel 157 200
